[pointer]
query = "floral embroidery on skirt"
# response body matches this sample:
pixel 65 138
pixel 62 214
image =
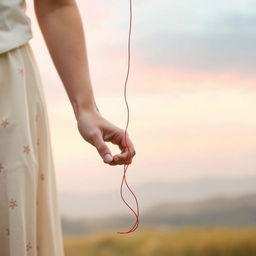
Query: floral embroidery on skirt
pixel 30 221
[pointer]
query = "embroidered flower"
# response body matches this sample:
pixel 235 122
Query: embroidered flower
pixel 13 203
pixel 29 246
pixel 26 149
pixel 1 167
pixel 21 71
pixel 4 123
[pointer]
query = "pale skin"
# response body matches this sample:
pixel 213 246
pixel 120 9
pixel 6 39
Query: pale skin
pixel 61 27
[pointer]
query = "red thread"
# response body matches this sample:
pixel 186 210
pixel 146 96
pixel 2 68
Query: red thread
pixel 135 226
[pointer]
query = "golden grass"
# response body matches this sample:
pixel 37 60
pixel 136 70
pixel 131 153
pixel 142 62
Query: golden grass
pixel 157 242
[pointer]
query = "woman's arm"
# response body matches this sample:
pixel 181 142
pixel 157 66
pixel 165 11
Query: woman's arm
pixel 61 26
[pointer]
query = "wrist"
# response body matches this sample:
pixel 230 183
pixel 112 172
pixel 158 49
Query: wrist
pixel 80 107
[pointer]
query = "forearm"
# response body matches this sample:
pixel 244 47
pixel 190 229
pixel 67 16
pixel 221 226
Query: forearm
pixel 64 36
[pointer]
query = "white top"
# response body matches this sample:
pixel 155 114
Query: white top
pixel 15 25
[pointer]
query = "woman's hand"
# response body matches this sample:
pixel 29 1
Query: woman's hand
pixel 96 130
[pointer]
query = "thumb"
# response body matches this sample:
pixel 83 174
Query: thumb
pixel 108 158
pixel 103 149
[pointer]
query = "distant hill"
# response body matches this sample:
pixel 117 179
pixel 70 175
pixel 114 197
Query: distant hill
pixel 239 211
pixel 149 194
pixel 220 211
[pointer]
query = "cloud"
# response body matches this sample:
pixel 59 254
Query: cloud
pixel 217 37
pixel 174 45
pixel 229 44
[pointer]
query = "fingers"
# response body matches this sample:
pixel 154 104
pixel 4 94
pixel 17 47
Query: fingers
pixel 128 151
pixel 120 162
pixel 122 139
pixel 102 148
pixel 125 157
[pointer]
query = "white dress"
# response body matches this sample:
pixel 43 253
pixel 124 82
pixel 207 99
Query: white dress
pixel 30 222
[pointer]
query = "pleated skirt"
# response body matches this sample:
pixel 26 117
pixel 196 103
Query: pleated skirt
pixel 30 222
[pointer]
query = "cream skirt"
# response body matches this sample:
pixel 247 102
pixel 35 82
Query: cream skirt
pixel 30 222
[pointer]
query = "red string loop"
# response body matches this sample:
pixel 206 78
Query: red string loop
pixel 135 226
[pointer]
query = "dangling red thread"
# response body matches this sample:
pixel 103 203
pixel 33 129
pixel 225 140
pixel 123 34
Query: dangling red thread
pixel 135 226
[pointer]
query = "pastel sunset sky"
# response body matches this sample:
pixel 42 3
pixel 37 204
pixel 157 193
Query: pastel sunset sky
pixel 191 91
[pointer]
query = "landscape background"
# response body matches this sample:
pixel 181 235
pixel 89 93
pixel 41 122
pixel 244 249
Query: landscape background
pixel 191 94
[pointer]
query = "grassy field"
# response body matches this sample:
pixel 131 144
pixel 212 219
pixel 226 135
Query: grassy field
pixel 156 242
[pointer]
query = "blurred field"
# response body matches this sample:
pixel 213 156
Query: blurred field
pixel 157 242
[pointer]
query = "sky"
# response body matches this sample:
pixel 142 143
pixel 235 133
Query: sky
pixel 191 91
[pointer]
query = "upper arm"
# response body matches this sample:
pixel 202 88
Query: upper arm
pixel 43 7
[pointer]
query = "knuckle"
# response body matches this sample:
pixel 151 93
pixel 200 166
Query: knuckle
pixel 90 135
pixel 102 149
